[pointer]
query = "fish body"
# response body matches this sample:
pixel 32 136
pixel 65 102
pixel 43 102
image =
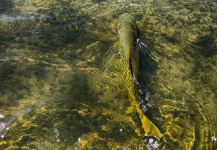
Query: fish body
pixel 129 55
pixel 127 36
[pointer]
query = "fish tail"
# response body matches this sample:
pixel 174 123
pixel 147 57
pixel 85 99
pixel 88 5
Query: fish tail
pixel 149 128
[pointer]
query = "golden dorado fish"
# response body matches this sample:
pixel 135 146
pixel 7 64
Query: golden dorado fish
pixel 130 67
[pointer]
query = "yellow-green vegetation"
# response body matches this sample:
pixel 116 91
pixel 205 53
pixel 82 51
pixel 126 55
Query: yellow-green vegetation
pixel 61 85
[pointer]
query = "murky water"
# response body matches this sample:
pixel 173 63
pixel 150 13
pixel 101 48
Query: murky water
pixel 60 87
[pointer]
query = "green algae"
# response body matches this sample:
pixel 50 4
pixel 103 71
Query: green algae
pixel 54 48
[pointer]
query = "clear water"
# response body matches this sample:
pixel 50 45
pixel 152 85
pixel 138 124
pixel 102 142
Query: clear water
pixel 59 84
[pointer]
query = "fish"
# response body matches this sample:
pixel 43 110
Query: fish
pixel 129 56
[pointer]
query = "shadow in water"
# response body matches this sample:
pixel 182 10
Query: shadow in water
pixel 62 119
pixel 148 67
pixel 29 36
pixel 6 6
pixel 207 45
pixel 205 62
pixel 98 1
pixel 56 118
pixel 46 30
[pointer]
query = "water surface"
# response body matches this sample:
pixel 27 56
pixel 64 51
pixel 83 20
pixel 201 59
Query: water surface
pixel 59 81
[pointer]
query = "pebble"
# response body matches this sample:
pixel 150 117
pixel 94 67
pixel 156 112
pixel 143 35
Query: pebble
pixel 1 116
pixel 85 110
pixel 2 125
pixel 2 136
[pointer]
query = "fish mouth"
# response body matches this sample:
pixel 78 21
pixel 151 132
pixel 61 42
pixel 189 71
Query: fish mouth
pixel 127 21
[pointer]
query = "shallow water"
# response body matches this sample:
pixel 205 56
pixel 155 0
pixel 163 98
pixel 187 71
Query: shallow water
pixel 59 81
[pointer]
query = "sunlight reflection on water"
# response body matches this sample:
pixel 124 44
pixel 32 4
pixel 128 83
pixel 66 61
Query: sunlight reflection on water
pixel 52 48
